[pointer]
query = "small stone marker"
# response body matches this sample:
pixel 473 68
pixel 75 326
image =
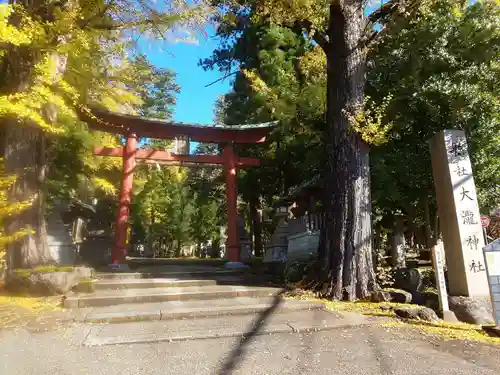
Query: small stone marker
pixel 492 256
pixel 437 255
pixel 485 223
pixel 459 214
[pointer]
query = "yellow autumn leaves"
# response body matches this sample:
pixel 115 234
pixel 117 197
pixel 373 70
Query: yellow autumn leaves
pixel 8 209
pixel 367 118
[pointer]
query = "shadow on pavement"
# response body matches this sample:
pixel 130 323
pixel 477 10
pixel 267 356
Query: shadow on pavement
pixel 238 353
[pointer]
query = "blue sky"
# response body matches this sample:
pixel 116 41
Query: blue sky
pixel 195 103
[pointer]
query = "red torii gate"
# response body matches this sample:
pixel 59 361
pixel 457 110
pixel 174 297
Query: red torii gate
pixel 133 127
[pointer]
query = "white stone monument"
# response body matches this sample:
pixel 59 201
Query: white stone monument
pixel 459 214
pixel 438 262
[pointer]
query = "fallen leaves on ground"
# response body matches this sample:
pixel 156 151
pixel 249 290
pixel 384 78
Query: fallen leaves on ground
pixel 19 311
pixel 446 330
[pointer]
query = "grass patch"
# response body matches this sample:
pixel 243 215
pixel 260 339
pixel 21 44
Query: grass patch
pixel 445 330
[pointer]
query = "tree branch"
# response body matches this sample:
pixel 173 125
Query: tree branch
pixel 84 23
pixel 318 37
pixel 383 15
pixel 223 78
pixel 385 10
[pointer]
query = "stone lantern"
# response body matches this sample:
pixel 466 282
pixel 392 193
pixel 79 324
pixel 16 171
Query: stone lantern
pixel 276 249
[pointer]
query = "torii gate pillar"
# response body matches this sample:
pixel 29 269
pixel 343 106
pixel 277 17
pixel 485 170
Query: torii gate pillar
pixel 119 251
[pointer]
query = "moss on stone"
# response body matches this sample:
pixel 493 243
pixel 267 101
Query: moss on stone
pixel 86 285
pixel 27 272
pixel 87 280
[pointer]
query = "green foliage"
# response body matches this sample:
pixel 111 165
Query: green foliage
pixel 275 62
pixel 441 68
pixel 177 206
pixel 208 199
pixel 157 88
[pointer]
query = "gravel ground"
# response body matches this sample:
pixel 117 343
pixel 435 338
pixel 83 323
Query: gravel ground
pixel 370 350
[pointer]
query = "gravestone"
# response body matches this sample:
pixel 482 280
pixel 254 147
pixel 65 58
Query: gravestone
pixel 458 214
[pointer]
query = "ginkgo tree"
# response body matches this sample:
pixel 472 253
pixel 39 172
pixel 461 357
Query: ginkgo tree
pixel 57 57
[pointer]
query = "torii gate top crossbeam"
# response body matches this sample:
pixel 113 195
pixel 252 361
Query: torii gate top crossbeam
pixel 116 123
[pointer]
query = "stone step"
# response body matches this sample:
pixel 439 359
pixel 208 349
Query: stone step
pixel 117 297
pixel 175 262
pixel 116 284
pixel 263 323
pixel 169 274
pixel 190 309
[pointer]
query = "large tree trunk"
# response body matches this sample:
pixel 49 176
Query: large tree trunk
pixel 24 157
pixel 24 149
pixel 256 224
pixel 346 241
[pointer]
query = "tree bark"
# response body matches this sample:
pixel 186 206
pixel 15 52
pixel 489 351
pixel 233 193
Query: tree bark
pixel 256 225
pixel 24 154
pixel 427 225
pixel 345 245
pixel 24 157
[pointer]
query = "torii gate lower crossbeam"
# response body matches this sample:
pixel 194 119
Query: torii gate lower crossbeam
pixel 131 155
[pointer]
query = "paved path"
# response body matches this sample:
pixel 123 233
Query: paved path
pixel 372 350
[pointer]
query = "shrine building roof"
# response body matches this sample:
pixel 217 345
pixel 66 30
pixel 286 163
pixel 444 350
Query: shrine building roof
pixel 305 189
pixel 122 124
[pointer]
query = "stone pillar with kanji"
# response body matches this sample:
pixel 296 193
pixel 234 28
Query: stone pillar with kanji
pixel 459 216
